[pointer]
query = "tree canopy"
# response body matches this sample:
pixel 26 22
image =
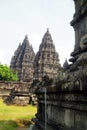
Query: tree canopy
pixel 6 74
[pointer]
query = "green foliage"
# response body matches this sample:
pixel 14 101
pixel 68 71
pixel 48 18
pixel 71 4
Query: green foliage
pixel 6 74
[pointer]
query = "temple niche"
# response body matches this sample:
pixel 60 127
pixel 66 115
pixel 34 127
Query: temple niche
pixel 22 61
pixel 47 59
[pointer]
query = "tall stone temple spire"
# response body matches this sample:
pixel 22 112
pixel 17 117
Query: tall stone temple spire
pixel 22 61
pixel 47 59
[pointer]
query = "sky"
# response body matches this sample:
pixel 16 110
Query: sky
pixel 33 17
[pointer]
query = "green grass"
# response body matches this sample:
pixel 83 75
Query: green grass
pixel 12 117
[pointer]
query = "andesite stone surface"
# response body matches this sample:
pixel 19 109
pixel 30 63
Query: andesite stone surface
pixel 66 98
pixel 23 60
pixel 47 59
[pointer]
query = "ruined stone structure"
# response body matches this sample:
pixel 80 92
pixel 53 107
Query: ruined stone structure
pixel 66 99
pixel 5 89
pixel 15 93
pixel 23 60
pixel 47 59
pixel 19 94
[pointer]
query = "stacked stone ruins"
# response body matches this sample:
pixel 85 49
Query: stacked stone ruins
pixel 16 93
pixel 62 105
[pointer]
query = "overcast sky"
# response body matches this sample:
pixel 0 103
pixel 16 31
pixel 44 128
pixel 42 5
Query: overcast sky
pixel 33 17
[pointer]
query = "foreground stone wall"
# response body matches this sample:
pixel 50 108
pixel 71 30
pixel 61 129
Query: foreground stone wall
pixel 65 110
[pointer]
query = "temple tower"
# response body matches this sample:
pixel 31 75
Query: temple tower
pixel 22 61
pixel 79 23
pixel 47 59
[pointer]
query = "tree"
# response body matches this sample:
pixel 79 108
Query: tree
pixel 6 74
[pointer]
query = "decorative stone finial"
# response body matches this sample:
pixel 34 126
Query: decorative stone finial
pixel 47 30
pixel 26 40
pixel 26 37
pixel 65 65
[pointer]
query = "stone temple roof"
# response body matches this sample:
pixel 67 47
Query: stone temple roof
pixel 23 59
pixel 26 41
pixel 46 59
pixel 47 41
pixel 47 37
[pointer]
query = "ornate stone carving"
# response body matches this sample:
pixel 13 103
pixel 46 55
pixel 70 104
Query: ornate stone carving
pixel 47 59
pixel 79 23
pixel 22 61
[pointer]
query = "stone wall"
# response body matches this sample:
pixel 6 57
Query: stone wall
pixel 5 88
pixel 15 92
pixel 65 110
